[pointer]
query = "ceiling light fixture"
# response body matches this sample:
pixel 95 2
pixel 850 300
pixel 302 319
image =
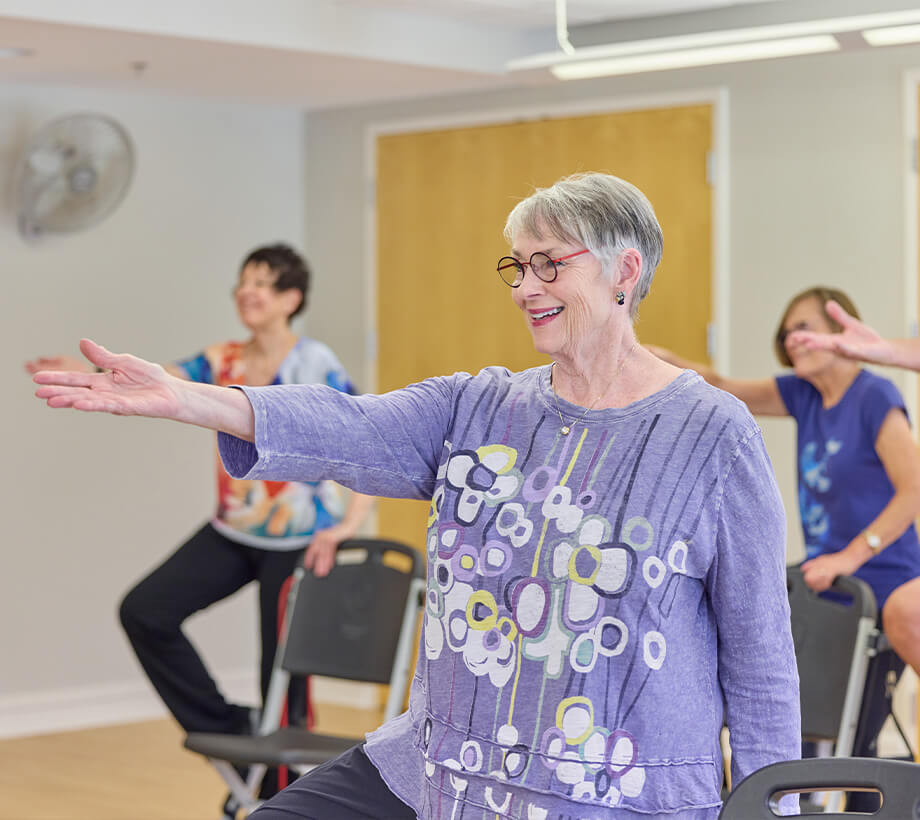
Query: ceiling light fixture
pixel 562 28
pixel 688 58
pixel 708 42
pixel 892 36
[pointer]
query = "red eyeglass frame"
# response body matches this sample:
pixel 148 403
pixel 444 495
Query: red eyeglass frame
pixel 518 263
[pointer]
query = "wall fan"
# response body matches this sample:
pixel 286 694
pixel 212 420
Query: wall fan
pixel 74 173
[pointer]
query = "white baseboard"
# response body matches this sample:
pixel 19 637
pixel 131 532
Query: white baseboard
pixel 103 704
pixel 77 708
pixel 83 707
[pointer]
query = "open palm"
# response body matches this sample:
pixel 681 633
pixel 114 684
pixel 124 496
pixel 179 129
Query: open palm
pixel 855 340
pixel 130 387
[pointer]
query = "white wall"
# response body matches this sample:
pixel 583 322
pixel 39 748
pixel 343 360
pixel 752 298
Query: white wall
pixel 91 503
pixel 815 196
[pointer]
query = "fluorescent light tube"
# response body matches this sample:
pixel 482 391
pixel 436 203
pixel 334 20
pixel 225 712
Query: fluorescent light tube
pixel 661 61
pixel 892 36
pixel 835 25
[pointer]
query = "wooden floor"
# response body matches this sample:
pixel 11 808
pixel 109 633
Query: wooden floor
pixel 137 771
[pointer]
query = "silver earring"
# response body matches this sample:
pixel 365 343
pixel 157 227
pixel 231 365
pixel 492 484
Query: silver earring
pixel 621 297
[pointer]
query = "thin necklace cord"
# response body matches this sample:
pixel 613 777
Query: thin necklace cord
pixel 567 428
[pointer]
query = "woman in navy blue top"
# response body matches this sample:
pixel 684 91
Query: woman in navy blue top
pixel 858 341
pixel 858 472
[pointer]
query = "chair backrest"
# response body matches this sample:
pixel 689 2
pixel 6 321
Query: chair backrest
pixel 830 637
pixel 755 797
pixel 348 623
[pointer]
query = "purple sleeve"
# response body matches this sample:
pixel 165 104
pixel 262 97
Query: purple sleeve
pixel 790 391
pixel 875 404
pixel 387 445
pixel 747 589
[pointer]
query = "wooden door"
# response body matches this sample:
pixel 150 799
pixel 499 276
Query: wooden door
pixel 442 200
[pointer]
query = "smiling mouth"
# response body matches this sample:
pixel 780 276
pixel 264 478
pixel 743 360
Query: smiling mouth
pixel 546 313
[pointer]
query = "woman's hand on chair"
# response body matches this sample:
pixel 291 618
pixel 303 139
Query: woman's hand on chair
pixel 819 573
pixel 320 555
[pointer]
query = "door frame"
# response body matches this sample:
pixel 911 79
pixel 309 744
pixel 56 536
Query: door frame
pixel 718 171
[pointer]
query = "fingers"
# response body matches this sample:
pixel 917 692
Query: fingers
pixel 53 391
pixel 809 340
pixel 78 397
pixel 818 576
pixel 66 378
pixel 83 400
pixel 92 404
pixel 97 354
pixel 34 365
pixel 839 315
pixel 320 556
pixel 323 566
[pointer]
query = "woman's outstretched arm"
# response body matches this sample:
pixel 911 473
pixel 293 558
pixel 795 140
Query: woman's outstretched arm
pixel 760 395
pixel 135 387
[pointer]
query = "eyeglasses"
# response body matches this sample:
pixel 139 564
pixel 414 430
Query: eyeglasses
pixel 511 270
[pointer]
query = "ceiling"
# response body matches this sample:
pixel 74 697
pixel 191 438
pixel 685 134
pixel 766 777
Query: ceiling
pixel 542 13
pixel 306 53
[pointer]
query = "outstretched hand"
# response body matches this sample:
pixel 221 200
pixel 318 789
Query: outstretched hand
pixel 856 341
pixel 129 387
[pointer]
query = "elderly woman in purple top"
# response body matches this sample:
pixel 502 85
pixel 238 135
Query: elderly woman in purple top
pixel 605 546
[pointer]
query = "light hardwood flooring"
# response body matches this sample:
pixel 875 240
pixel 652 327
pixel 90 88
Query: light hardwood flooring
pixel 136 771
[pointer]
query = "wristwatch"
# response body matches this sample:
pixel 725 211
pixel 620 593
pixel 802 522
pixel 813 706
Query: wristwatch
pixel 874 542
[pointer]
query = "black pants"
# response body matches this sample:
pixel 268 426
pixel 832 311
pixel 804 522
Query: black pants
pixel 348 787
pixel 205 569
pixel 872 715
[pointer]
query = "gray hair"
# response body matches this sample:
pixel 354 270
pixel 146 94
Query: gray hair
pixel 601 212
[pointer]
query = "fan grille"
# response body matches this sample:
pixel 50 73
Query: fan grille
pixel 75 172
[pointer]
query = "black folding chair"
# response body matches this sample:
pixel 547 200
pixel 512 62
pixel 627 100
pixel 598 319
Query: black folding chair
pixel 834 640
pixel 757 797
pixel 357 623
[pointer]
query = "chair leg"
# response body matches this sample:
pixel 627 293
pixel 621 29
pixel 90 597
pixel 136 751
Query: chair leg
pixel 231 808
pixel 242 792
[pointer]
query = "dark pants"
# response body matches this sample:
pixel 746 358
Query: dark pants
pixel 348 787
pixel 205 569
pixel 872 715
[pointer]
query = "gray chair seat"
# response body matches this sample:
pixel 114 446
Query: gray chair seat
pixel 288 746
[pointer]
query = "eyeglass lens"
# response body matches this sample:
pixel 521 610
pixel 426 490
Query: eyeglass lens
pixel 511 270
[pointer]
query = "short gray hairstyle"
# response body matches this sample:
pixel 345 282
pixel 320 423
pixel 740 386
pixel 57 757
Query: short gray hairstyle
pixel 603 213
